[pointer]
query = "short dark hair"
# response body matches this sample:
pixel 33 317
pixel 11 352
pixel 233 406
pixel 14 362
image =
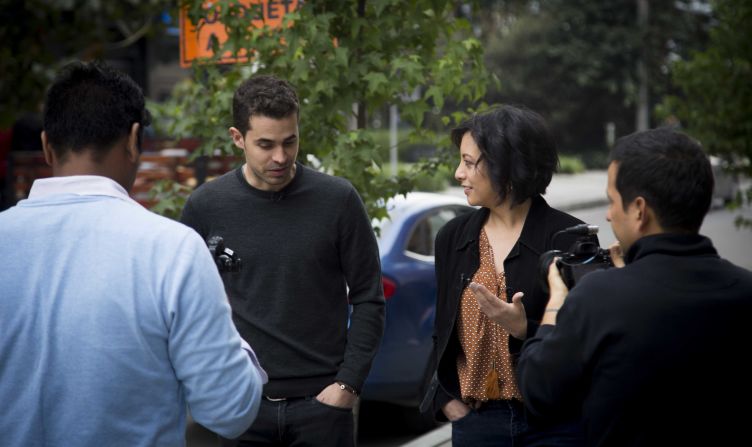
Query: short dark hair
pixel 91 106
pixel 517 147
pixel 263 95
pixel 670 171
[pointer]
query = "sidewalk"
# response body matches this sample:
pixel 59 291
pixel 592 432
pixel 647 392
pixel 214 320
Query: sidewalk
pixel 567 192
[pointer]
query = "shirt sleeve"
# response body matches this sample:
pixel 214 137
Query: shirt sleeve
pixel 221 380
pixel 359 257
pixel 254 360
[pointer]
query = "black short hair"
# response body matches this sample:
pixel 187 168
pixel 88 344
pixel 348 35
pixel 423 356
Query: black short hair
pixel 670 171
pixel 263 95
pixel 91 106
pixel 517 147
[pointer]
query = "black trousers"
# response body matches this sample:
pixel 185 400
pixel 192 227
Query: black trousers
pixel 298 422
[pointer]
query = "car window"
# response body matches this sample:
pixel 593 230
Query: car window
pixel 424 231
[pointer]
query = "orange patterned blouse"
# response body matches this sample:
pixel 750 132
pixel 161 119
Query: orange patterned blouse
pixel 485 345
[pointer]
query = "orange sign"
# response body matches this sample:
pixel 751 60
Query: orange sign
pixel 196 40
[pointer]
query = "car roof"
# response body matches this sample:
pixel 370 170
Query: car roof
pixel 400 208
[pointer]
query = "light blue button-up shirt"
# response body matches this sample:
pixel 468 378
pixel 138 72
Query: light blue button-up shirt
pixel 113 320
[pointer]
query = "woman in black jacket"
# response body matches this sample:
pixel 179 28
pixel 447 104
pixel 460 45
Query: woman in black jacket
pixel 508 157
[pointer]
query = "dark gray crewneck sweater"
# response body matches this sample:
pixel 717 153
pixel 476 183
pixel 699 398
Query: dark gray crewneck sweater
pixel 302 249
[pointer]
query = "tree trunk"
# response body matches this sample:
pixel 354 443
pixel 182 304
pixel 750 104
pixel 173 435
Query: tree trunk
pixel 361 116
pixel 643 99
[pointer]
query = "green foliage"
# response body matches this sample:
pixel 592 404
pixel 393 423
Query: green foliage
pixel 170 196
pixel 715 102
pixel 339 54
pixel 594 159
pixel 432 179
pixel 39 36
pixel 410 147
pixel 574 61
pixel 570 164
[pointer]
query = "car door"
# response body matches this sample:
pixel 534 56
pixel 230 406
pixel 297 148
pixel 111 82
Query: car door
pixel 410 286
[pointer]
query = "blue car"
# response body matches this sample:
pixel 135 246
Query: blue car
pixel 406 245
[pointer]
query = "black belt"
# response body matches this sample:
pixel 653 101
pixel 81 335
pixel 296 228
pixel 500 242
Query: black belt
pixel 282 399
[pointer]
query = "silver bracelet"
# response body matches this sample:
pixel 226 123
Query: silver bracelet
pixel 553 309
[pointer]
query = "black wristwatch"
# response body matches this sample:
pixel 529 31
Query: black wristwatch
pixel 346 387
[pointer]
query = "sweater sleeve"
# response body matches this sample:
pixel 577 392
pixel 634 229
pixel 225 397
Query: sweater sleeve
pixel 359 257
pixel 552 365
pixel 190 216
pixel 564 243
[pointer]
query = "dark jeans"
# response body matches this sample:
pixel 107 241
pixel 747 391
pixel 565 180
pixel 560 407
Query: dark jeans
pixel 496 424
pixel 298 422
pixel 502 423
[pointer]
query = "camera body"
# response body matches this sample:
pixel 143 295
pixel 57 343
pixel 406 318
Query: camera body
pixel 226 259
pixel 583 257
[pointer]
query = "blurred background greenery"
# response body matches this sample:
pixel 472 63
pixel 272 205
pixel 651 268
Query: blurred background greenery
pixel 596 70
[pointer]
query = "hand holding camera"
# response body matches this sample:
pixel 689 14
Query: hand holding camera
pixel 584 256
pixel 556 296
pixel 617 255
pixel 226 259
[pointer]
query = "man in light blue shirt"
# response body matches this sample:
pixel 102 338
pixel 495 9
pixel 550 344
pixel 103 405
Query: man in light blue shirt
pixel 113 320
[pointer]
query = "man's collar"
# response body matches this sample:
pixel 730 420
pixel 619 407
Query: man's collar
pixel 83 185
pixel 671 244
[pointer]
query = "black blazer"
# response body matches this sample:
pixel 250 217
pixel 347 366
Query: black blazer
pixel 458 258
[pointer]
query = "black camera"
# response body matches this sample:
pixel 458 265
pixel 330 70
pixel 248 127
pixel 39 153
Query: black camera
pixel 584 256
pixel 226 259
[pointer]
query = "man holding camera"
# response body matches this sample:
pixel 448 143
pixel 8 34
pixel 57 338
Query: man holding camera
pixel 113 319
pixel 649 354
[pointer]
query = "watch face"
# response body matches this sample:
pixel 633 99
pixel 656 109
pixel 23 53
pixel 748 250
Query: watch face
pixel 347 388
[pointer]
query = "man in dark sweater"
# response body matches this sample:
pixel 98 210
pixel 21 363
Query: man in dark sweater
pixel 308 253
pixel 651 353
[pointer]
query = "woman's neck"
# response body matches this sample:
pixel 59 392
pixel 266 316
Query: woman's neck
pixel 506 216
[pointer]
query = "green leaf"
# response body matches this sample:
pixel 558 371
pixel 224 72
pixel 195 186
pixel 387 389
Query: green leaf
pixel 337 60
pixel 375 81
